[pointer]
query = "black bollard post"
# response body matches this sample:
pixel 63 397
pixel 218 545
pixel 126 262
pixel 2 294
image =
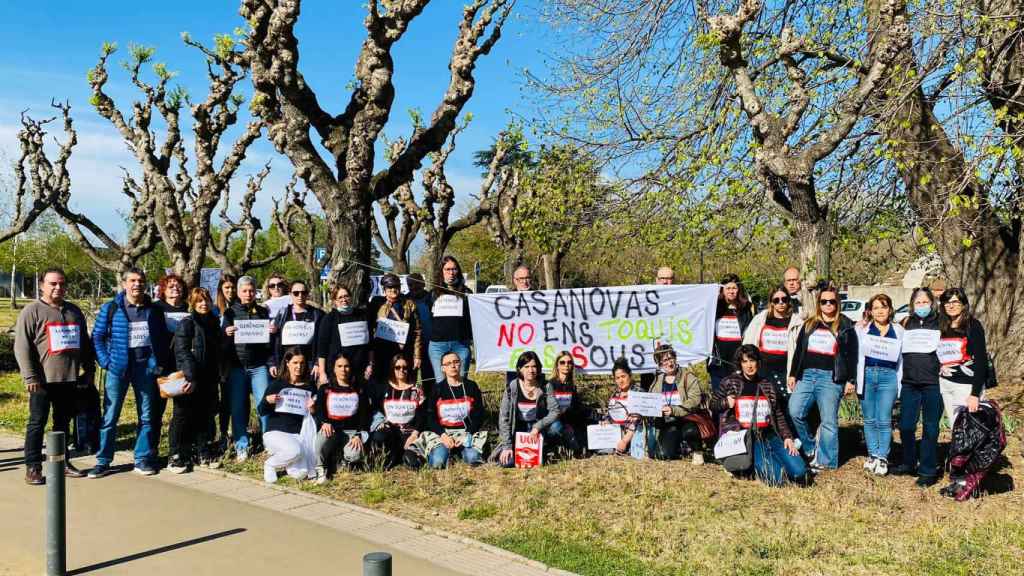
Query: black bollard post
pixel 377 564
pixel 56 506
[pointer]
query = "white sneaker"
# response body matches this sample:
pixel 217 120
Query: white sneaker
pixel 321 476
pixel 870 464
pixel 698 458
pixel 269 474
pixel 881 467
pixel 241 456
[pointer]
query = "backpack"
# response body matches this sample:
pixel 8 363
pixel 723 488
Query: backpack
pixel 991 381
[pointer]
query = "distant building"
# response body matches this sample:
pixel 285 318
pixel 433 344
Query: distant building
pixel 23 287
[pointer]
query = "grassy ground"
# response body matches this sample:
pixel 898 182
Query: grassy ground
pixel 609 515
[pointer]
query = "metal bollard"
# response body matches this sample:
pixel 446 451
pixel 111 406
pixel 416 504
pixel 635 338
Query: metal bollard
pixel 377 564
pixel 56 506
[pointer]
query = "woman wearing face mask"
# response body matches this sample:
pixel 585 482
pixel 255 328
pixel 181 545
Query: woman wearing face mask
pixel 774 331
pixel 731 320
pixel 879 364
pixel 824 368
pixel 344 330
pixel 746 400
pixel 528 405
pixel 286 437
pixel 343 420
pixel 919 392
pixel 676 433
pixel 450 330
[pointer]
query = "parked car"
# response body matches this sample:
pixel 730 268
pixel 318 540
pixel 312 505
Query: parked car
pixel 901 313
pixel 496 288
pixel 853 309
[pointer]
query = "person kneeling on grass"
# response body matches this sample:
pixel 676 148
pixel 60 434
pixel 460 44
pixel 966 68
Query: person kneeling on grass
pixel 342 413
pixel 748 401
pixel 398 416
pixel 618 415
pixel 528 405
pixel 290 438
pixel 455 411
pixel 678 431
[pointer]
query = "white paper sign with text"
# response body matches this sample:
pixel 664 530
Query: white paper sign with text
pixel 252 331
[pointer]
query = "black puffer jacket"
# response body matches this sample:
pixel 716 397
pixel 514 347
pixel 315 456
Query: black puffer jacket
pixel 920 369
pixel 197 347
pixel 246 355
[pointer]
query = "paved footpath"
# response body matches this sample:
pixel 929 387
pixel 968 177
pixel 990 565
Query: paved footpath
pixel 209 522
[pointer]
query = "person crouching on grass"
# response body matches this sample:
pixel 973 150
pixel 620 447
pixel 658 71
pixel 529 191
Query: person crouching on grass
pixel 290 439
pixel 343 420
pixel 746 400
pixel 528 405
pixel 455 411
pixel 617 413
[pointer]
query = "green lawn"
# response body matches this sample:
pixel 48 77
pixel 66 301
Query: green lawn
pixel 609 515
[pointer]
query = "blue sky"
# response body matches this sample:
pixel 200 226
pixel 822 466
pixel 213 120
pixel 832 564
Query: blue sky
pixel 50 45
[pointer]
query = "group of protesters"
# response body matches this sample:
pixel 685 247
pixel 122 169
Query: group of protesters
pixel 387 381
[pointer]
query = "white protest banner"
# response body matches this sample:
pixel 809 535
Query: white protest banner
pixel 603 436
pixel 921 341
pixel 529 450
pixel 645 403
pixel 297 333
pixel 292 401
pixel 596 325
pixel 252 331
pixel 172 319
pixel 209 278
pixel 275 305
pixel 353 333
pixel 731 443
pixel 392 330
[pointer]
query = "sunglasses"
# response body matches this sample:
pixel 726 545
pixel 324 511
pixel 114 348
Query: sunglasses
pixel 402 368
pixel 299 292
pixel 780 300
pixel 275 285
pixel 828 302
pixel 565 362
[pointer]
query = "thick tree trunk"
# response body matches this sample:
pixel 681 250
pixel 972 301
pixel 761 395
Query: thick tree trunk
pixel 552 270
pixel 978 252
pixel 811 229
pixel 400 265
pixel 351 251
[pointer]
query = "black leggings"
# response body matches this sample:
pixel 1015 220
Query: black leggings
pixel 671 438
pixel 390 442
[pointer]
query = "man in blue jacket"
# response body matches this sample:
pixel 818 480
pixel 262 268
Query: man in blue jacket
pixel 131 341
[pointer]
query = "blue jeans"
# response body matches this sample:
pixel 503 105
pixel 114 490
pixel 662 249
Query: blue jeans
pixel 115 390
pixel 817 387
pixel 773 464
pixel 927 402
pixel 879 396
pixel 438 457
pixel 435 350
pixel 240 382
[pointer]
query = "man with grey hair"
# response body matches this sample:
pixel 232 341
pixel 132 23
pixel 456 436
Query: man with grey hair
pixel 664 276
pixel 132 343
pixel 521 279
pixel 249 364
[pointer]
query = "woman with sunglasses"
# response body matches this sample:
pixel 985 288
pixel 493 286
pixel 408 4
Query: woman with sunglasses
pixel 879 363
pixel 274 286
pixel 919 392
pixel 732 317
pixel 344 330
pixel 774 331
pixel 399 414
pixel 455 413
pixel 295 325
pixel 676 433
pixel 823 368
pixel 528 405
pixel 571 425
pixel 962 354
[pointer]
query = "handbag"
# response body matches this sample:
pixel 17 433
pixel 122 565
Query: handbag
pixel 705 425
pixel 743 462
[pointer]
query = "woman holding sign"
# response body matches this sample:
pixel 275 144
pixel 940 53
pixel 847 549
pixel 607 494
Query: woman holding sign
pixel 344 330
pixel 197 350
pixel 455 413
pixel 962 353
pixel 748 402
pixel 450 328
pixel 295 326
pixel 527 406
pixel 247 328
pixel 824 368
pixel 919 393
pixel 399 413
pixel 396 329
pixel 343 420
pixel 774 331
pixel 732 317
pixel 618 413
pixel 290 436
pixel 878 365
pixel 676 431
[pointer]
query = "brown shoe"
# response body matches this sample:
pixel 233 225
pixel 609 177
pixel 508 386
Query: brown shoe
pixel 34 475
pixel 71 472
